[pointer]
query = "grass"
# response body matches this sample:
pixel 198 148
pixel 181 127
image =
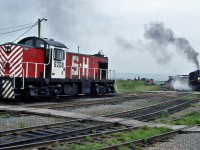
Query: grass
pixel 22 125
pixel 190 119
pixel 7 115
pixel 124 86
pixel 191 97
pixel 116 138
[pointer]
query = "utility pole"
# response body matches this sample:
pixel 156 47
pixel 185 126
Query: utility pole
pixel 39 26
pixel 78 49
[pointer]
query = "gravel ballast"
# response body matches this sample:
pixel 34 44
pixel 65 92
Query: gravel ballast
pixel 26 121
pixel 124 106
pixel 179 142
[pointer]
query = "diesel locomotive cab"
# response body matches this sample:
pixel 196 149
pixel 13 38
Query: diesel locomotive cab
pixel 54 55
pixel 53 65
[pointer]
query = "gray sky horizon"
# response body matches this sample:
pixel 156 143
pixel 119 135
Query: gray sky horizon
pixel 116 27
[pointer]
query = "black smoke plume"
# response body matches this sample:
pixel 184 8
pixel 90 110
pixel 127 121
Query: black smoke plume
pixel 163 37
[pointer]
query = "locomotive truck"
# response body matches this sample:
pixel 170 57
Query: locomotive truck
pixel 40 67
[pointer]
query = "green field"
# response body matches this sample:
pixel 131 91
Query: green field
pixel 124 86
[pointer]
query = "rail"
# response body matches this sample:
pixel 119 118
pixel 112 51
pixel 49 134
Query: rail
pixel 154 111
pixel 41 141
pixel 144 141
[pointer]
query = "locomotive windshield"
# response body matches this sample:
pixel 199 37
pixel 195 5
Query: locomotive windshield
pixel 29 42
pixel 39 43
pixel 59 54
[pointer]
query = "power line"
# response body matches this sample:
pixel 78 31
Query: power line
pixel 26 31
pixel 30 27
pixel 15 30
pixel 16 26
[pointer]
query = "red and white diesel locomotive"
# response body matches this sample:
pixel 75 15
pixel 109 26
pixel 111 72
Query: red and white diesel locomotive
pixel 36 67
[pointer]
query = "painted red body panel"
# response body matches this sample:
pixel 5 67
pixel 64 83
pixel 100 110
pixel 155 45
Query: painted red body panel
pixel 85 61
pixel 33 56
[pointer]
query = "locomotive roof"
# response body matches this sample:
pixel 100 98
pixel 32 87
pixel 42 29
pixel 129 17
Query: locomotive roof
pixel 47 41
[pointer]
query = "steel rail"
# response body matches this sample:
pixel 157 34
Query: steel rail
pixel 53 135
pixel 142 142
pixel 159 113
pixel 48 142
pixel 142 108
pixel 86 103
pixel 17 131
pixel 153 112
pixel 135 110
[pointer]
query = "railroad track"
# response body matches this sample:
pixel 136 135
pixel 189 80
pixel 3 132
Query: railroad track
pixel 38 137
pixel 101 133
pixel 78 130
pixel 153 111
pixel 81 103
pixel 132 145
pixel 88 102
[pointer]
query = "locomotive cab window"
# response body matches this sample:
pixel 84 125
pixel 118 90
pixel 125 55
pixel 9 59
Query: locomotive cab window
pixel 59 54
pixel 40 43
pixel 29 42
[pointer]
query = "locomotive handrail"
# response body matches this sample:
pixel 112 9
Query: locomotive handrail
pixel 36 66
pixel 35 70
pixel 94 74
pixel 47 63
pixel 14 79
pixel 100 74
pixel 22 78
pixel 27 67
pixel 109 74
pixel 97 72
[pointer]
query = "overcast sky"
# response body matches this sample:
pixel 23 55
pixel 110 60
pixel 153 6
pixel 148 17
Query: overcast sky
pixel 116 27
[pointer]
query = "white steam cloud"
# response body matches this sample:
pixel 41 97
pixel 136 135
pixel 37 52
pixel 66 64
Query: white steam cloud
pixel 181 85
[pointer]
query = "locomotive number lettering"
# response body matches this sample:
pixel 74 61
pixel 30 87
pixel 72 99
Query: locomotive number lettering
pixel 59 64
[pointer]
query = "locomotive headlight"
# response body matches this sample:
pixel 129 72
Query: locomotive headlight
pixel 198 79
pixel 8 48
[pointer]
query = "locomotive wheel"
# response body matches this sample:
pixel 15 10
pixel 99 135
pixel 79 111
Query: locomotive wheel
pixel 69 89
pixel 28 94
pixel 74 89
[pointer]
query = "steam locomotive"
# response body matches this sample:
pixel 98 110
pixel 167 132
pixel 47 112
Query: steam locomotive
pixel 194 80
pixel 36 67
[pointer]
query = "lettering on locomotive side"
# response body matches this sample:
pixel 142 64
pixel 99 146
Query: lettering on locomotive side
pixel 75 60
pixel 76 64
pixel 58 64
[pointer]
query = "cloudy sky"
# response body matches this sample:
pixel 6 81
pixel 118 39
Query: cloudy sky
pixel 117 27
